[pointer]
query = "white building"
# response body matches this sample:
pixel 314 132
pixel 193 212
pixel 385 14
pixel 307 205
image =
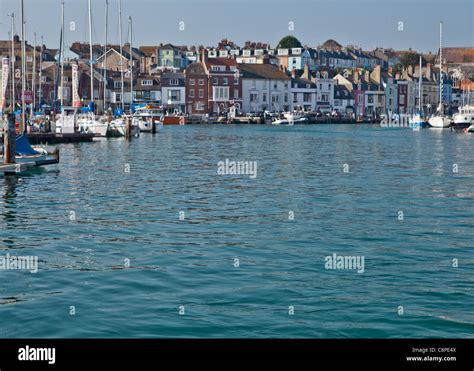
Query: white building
pixel 265 87
pixel 303 93
pixel 325 92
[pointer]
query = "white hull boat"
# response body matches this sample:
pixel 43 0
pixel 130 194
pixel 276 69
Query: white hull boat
pixel 439 122
pixel 465 116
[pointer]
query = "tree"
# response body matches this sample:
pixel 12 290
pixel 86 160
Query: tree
pixel 411 59
pixel 289 42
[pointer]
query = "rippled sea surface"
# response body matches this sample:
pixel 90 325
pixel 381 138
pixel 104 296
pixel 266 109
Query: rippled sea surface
pixel 237 264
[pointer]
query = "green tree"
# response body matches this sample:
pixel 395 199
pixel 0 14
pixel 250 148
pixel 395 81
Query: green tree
pixel 411 59
pixel 289 42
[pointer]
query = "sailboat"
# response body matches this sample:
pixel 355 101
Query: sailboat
pixel 440 121
pixel 417 120
pixel 71 119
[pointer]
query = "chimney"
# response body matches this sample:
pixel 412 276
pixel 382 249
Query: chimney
pixel 293 73
pixel 356 76
pixel 204 55
pixel 305 72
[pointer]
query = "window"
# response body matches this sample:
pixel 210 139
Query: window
pixel 226 81
pixel 43 78
pixel 370 99
pixel 29 58
pixel 236 81
pixel 199 106
pixel 201 93
pixel 275 98
pixel 118 97
pixel 174 82
pixel 285 85
pixel 147 82
pixel 253 97
pixel 236 93
pixel 191 93
pixel 117 84
pixel 192 82
pixel 306 97
pixel 201 82
pixel 215 81
pixel 174 95
pixel 264 97
pixel 220 93
pixel 275 85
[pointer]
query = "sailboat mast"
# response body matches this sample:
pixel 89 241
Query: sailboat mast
pixel 121 50
pixel 62 57
pixel 105 48
pixel 90 51
pixel 131 62
pixel 40 93
pixel 34 78
pixel 419 89
pixel 441 64
pixel 13 62
pixel 23 68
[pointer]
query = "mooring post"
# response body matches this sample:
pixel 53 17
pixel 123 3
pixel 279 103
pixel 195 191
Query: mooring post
pixel 128 127
pixel 9 141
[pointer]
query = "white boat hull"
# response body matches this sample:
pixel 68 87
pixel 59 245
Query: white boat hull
pixel 439 122
pixel 97 128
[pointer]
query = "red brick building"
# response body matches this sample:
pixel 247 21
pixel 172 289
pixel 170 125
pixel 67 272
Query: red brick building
pixel 196 82
pixel 212 86
pixel 225 85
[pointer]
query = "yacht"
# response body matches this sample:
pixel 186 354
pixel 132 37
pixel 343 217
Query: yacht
pixel 440 121
pixel 148 119
pixel 465 117
pixel 295 118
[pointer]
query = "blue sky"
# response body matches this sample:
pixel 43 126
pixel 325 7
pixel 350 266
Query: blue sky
pixel 367 23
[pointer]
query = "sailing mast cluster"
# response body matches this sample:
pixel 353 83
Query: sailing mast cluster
pixel 78 118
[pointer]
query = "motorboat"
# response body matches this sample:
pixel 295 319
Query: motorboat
pixel 148 119
pixel 295 118
pixel 464 118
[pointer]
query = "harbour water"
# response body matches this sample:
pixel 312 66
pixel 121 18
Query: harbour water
pixel 143 238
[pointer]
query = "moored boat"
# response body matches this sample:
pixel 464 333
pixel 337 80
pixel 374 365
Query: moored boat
pixel 465 117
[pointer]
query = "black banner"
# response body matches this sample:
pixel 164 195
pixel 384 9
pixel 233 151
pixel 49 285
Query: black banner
pixel 452 354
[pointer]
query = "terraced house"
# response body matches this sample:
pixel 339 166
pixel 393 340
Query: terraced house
pixel 265 87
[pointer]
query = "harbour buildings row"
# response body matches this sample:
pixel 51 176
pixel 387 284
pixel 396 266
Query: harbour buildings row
pixel 218 80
